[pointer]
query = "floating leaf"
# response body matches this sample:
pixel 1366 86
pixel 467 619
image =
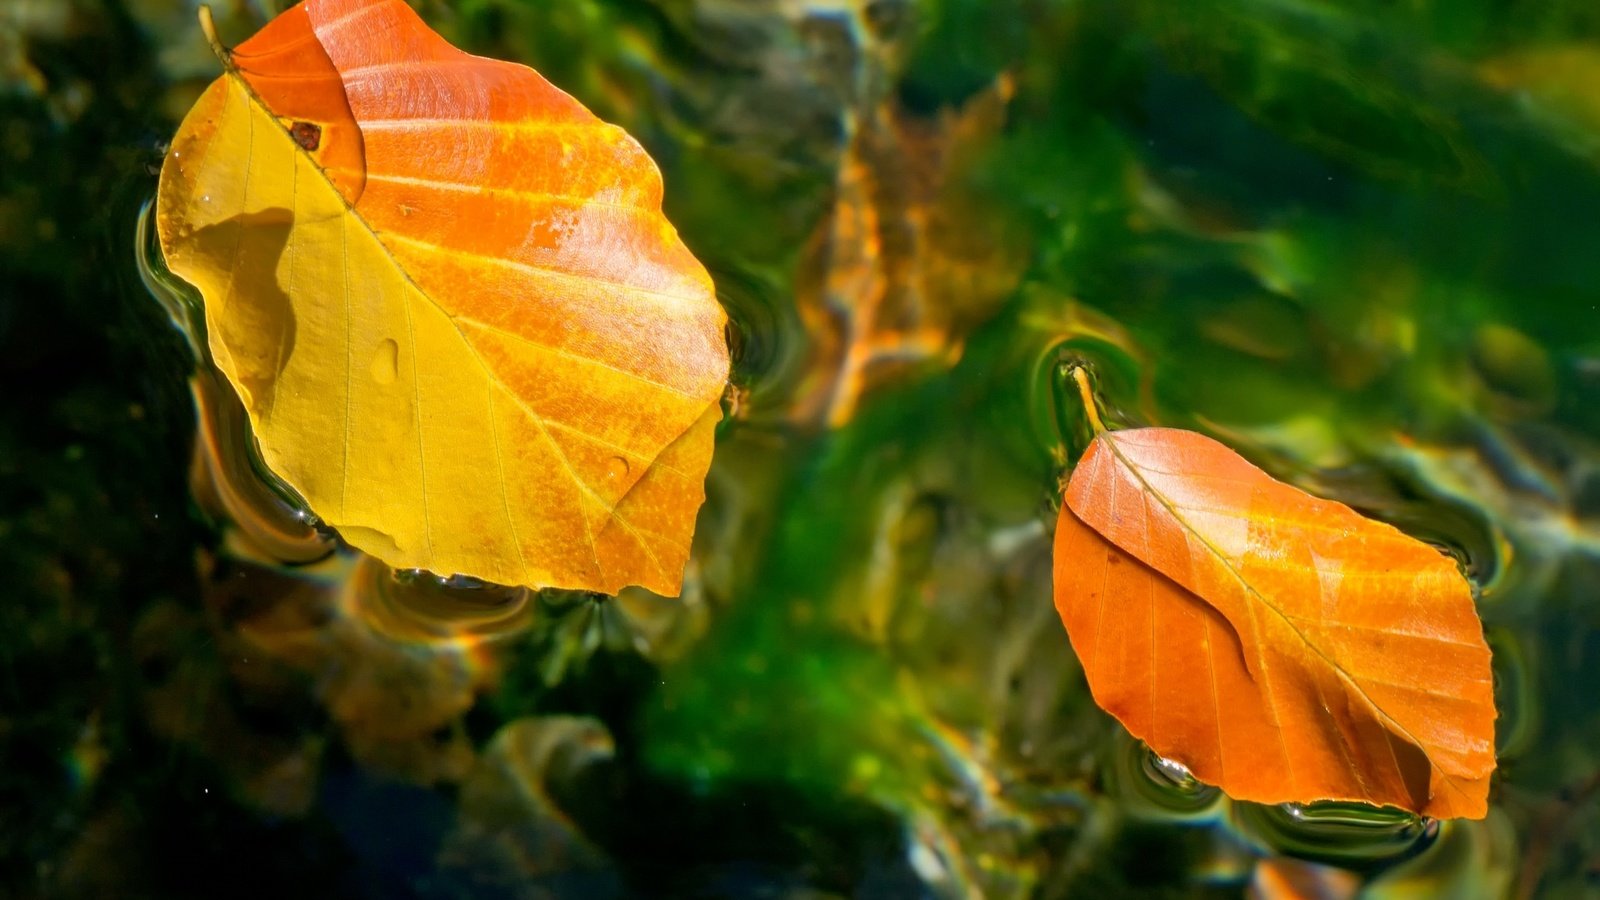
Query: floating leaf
pixel 446 293
pixel 1280 646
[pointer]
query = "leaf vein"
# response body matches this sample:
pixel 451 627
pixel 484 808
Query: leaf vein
pixel 580 433
pixel 546 271
pixel 505 490
pixel 416 408
pixel 349 365
pixel 1375 629
pixel 1389 535
pixel 464 187
pixel 576 357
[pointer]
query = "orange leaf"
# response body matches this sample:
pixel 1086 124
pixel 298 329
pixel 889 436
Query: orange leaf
pixel 449 300
pixel 1280 646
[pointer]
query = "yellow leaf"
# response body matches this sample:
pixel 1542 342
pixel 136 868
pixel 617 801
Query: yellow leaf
pixel 446 294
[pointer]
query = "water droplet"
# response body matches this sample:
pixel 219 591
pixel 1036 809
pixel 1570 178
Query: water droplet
pixel 1176 771
pixel 617 468
pixel 386 361
pixel 1160 788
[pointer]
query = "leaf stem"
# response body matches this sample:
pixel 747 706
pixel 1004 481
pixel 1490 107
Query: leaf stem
pixel 1081 376
pixel 208 27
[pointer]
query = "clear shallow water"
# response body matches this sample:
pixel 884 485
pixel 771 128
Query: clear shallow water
pixel 1352 241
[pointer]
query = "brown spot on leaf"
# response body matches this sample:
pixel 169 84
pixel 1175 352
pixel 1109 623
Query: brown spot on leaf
pixel 307 135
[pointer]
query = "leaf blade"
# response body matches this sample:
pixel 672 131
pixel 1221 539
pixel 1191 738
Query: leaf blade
pixel 450 344
pixel 1306 586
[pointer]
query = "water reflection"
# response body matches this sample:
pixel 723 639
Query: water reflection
pixel 1532 483
pixel 763 343
pixel 1470 860
pixel 395 704
pixel 1286 878
pixel 410 606
pixel 1351 835
pixel 1160 789
pixel 572 628
pixel 904 264
pixel 230 483
pixel 246 730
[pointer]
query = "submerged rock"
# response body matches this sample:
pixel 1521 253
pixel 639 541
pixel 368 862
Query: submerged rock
pixel 514 837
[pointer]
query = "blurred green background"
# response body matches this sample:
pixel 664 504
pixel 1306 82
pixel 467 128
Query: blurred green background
pixel 1358 241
